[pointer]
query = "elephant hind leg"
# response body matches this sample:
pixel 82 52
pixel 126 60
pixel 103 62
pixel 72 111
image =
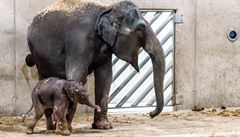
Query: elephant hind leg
pixel 37 115
pixel 49 119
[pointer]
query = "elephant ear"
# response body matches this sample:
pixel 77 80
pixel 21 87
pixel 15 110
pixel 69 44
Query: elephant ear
pixel 106 28
pixel 67 90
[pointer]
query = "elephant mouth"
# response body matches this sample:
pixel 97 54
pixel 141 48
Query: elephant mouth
pixel 115 39
pixel 134 63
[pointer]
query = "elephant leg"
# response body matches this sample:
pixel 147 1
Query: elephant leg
pixel 78 74
pixel 71 111
pixel 37 115
pixel 103 79
pixel 49 119
pixel 76 69
pixel 60 112
pixel 78 59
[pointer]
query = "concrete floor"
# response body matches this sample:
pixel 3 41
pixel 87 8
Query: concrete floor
pixel 207 123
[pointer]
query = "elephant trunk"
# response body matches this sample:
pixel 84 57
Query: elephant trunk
pixel 155 50
pixel 90 104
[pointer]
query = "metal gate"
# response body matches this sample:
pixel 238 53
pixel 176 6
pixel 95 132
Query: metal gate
pixel 132 91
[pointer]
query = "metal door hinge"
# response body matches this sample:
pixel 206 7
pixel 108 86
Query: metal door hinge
pixel 178 17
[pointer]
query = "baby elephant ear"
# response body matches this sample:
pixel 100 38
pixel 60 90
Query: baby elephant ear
pixel 106 28
pixel 67 91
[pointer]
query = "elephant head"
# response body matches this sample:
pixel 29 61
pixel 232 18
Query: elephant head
pixel 78 93
pixel 124 29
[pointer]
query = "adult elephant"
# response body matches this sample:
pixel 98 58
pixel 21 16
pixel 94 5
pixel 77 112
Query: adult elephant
pixel 71 39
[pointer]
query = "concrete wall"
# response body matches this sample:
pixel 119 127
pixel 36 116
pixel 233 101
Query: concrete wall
pixel 206 67
pixel 217 69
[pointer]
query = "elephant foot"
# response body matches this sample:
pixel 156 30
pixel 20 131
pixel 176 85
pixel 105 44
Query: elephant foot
pixel 70 128
pixel 102 125
pixel 29 130
pixel 62 128
pixel 63 132
pixel 51 127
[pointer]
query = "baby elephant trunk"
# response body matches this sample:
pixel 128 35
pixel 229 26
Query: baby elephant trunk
pixel 90 104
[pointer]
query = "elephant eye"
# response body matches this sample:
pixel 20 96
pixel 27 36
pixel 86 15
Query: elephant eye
pixel 140 27
pixel 82 97
pixel 121 17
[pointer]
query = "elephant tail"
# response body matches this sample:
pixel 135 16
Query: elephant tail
pixel 30 60
pixel 24 115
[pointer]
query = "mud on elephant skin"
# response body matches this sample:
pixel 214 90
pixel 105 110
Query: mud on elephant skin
pixel 54 95
pixel 73 38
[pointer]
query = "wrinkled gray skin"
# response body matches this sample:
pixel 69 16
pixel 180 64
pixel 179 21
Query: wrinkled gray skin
pixel 72 44
pixel 54 95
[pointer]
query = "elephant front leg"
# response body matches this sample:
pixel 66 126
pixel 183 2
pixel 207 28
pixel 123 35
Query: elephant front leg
pixel 103 79
pixel 60 112
pixel 76 69
pixel 71 111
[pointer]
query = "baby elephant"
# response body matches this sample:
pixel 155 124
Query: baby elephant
pixel 56 94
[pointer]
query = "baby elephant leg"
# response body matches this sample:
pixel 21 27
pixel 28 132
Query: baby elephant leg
pixel 60 114
pixel 49 119
pixel 71 111
pixel 37 115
